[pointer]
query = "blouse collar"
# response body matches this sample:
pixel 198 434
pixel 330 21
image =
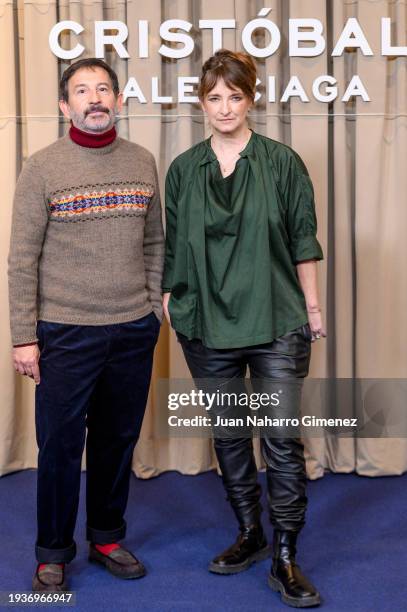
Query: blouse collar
pixel 209 153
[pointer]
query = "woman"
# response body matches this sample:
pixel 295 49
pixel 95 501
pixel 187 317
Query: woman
pixel 240 289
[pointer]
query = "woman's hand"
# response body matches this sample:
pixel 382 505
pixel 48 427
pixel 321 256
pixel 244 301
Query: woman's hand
pixel 166 299
pixel 307 276
pixel 316 324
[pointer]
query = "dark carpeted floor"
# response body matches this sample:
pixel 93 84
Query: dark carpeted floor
pixel 354 546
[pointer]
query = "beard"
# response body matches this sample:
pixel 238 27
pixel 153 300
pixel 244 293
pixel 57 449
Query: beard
pixel 87 123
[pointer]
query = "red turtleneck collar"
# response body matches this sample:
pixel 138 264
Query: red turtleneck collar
pixel 95 141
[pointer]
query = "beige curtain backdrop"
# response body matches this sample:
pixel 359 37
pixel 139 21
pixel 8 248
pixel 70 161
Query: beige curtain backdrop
pixel 356 155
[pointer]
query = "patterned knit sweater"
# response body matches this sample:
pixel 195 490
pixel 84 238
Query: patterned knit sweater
pixel 87 239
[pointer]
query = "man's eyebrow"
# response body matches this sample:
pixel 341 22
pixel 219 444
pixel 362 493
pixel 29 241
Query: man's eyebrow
pixel 85 85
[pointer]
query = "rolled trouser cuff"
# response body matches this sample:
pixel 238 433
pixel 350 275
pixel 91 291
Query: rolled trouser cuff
pixel 99 536
pixel 55 555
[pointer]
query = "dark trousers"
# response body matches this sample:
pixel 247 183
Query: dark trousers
pixel 95 378
pixel 286 358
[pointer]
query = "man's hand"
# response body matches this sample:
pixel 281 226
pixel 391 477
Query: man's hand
pixel 25 361
pixel 166 299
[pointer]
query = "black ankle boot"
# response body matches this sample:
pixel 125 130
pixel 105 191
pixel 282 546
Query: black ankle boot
pixel 286 576
pixel 250 546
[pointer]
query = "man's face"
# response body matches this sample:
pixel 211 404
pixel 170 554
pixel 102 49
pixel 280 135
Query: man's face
pixel 92 105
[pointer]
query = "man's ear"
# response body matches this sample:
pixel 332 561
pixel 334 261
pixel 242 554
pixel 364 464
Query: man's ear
pixel 64 106
pixel 119 102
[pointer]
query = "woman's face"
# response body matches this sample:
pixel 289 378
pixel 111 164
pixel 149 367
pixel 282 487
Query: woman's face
pixel 226 108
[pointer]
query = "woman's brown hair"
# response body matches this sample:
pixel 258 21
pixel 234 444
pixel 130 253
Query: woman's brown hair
pixel 238 70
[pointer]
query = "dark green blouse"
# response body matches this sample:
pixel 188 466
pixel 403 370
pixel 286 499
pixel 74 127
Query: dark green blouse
pixel 232 244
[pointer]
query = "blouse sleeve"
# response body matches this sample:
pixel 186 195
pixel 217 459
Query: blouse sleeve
pixel 301 217
pixel 171 190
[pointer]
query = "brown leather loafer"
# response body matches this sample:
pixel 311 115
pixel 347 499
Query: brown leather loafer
pixel 50 578
pixel 120 562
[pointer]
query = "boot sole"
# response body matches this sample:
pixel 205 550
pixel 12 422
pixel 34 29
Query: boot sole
pixel 241 567
pixel 307 602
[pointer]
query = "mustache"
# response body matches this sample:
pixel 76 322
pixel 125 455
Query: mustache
pixel 97 108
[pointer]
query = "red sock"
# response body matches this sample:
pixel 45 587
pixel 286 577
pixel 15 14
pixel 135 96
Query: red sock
pixel 43 565
pixel 106 549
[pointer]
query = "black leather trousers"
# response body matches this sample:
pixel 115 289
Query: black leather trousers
pixel 286 358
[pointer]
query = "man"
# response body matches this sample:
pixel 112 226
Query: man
pixel 85 270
